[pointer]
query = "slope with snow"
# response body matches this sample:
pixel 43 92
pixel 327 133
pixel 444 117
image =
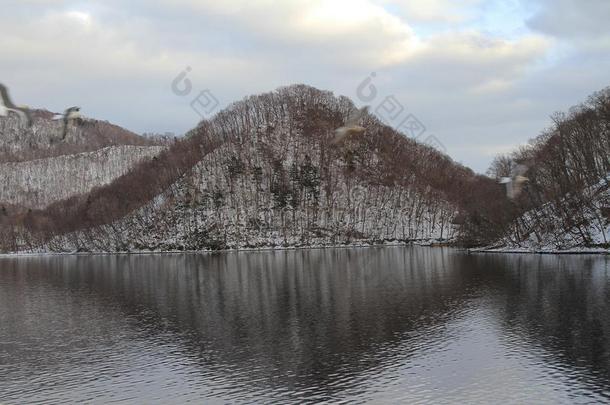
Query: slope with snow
pixel 209 209
pixel 578 222
pixel 38 183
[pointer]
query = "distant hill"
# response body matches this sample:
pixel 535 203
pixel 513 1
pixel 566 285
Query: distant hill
pixel 19 143
pixel 37 168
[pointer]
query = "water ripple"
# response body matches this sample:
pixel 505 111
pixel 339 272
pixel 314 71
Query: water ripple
pixel 395 325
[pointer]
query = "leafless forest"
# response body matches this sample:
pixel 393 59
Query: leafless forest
pixel 567 201
pixel 264 172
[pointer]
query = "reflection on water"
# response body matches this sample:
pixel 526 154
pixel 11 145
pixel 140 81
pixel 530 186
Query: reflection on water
pixel 342 325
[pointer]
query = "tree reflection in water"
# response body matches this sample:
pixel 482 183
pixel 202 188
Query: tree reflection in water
pixel 353 324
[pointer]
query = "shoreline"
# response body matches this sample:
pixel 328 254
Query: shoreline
pixel 573 251
pixel 232 250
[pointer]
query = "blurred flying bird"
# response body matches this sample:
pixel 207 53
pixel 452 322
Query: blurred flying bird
pixel 68 115
pixel 351 126
pixel 514 183
pixel 6 106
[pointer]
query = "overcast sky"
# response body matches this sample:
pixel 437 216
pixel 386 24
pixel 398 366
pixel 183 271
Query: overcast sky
pixel 483 76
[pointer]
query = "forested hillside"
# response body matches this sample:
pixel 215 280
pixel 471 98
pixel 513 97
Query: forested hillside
pixel 38 166
pixel 38 183
pixel 264 172
pixel 566 202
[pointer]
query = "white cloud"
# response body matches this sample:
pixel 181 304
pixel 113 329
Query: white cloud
pixel 472 64
pixel 349 31
pixel 118 59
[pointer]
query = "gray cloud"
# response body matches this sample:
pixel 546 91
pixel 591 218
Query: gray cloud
pixel 474 91
pixel 572 18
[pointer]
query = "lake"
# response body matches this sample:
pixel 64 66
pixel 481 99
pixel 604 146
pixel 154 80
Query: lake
pixel 383 325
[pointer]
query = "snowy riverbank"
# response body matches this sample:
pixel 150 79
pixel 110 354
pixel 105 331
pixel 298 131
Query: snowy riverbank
pixel 357 244
pixel 572 251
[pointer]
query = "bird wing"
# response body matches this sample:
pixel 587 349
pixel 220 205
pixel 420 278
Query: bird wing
pixel 344 132
pixel 72 113
pixel 356 115
pixel 6 99
pixel 28 116
pixel 8 103
pixel 65 128
pixel 521 179
pixel 340 134
pixel 510 190
pixel 519 170
pixel 517 188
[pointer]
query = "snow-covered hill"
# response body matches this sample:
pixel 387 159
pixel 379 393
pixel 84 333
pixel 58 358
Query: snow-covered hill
pixel 272 178
pixel 38 168
pixel 212 209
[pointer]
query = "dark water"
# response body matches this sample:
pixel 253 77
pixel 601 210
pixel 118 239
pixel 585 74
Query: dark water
pixel 389 325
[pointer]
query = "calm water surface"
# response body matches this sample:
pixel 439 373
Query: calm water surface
pixel 416 325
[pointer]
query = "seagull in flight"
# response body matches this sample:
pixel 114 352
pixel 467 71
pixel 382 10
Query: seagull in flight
pixel 351 126
pixel 514 183
pixel 6 106
pixel 68 115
